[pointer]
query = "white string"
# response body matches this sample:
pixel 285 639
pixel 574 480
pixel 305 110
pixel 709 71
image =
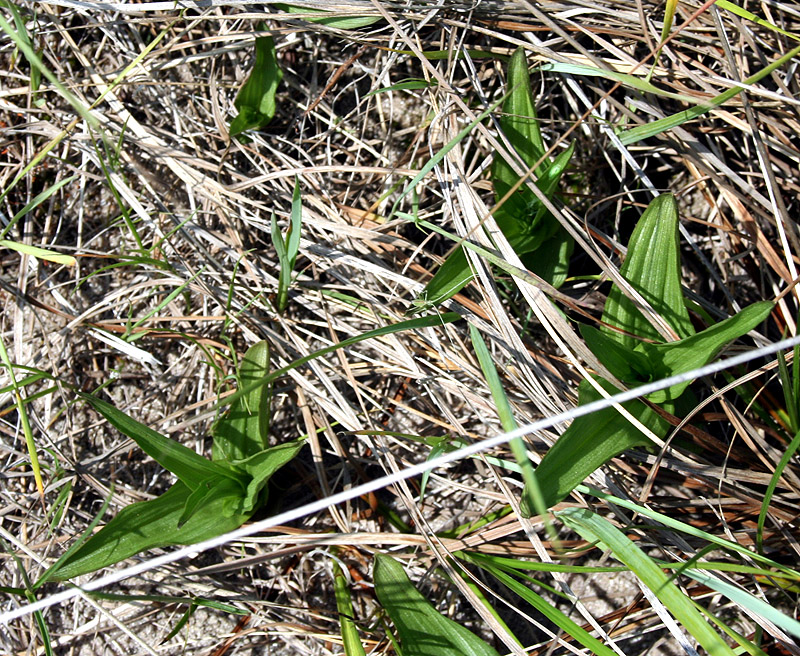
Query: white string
pixel 374 485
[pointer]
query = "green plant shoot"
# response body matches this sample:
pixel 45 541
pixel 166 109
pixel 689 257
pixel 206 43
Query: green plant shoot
pixel 652 267
pixel 287 247
pixel 211 497
pixel 534 234
pixel 256 99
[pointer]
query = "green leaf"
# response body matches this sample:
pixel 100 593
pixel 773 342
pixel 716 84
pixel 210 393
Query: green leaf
pixel 590 442
pixel 423 631
pixel 190 467
pixel 653 268
pixel 244 430
pixel 323 17
pixel 545 607
pixel 261 467
pixel 519 122
pixel 594 528
pixel 256 99
pixel 628 365
pixel 551 260
pixel 525 234
pixel 344 606
pixel 152 524
pixel 674 358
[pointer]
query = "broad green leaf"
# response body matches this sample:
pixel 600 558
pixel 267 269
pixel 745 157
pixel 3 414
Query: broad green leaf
pixel 244 430
pixel 627 364
pixel 152 524
pixel 525 230
pixel 328 18
pixel 423 631
pixel 551 260
pixel 190 467
pixel 545 607
pixel 256 99
pixel 519 122
pixel 653 268
pixel 344 606
pixel 594 528
pixel 590 442
pixel 261 467
pixel 672 358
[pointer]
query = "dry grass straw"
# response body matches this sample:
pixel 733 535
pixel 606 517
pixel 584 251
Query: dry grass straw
pixel 200 204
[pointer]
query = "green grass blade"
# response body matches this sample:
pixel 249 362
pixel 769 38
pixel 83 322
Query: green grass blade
pixel 243 431
pixel 578 633
pixel 439 156
pixel 627 80
pixel 402 326
pixel 344 605
pixel 38 253
pixel 743 13
pixel 422 629
pixel 327 18
pixel 682 527
pixel 773 483
pixel 746 600
pixel 30 443
pixel 594 528
pixel 532 493
pixel 640 132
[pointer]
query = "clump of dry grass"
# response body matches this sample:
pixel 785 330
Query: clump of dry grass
pixel 161 200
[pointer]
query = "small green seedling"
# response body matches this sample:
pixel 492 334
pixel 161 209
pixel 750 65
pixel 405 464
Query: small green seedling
pixel 533 233
pixel 422 630
pixel 287 247
pixel 256 99
pixel 652 267
pixel 211 497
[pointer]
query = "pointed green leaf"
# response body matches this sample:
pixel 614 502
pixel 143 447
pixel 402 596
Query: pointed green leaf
pixel 344 605
pixel 152 524
pixel 261 467
pixel 653 268
pixel 188 466
pixel 244 430
pixel 256 99
pixel 423 631
pixel 594 528
pixel 590 442
pixel 519 122
pixel 674 358
pixel 198 498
